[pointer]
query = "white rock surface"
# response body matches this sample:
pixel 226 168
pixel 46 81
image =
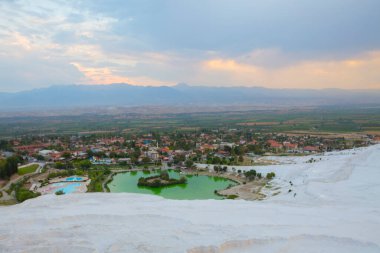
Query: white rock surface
pixel 336 209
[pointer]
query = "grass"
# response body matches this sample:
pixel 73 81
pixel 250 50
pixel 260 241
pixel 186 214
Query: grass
pixel 97 180
pixel 319 119
pixel 28 169
pixel 8 202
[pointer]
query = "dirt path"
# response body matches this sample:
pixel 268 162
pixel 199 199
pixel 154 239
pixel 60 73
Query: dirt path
pixel 248 191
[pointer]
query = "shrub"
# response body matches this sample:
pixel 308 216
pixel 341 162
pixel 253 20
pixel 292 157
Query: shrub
pixel 161 180
pixel 271 175
pixel 233 196
pixel 251 175
pixel 24 194
pixel 60 192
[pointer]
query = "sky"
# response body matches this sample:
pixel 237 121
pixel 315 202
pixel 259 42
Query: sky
pixel 273 44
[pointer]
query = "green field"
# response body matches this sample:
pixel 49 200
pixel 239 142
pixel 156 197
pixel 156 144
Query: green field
pixel 28 169
pixel 313 119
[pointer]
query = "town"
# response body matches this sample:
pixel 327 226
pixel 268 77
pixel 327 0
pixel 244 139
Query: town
pixel 40 161
pixel 220 146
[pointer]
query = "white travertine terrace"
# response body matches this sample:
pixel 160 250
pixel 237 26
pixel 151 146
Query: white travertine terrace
pixel 336 208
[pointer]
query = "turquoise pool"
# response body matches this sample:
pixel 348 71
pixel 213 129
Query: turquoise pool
pixel 73 179
pixel 67 188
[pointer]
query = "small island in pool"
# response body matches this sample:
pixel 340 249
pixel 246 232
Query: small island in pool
pixel 161 180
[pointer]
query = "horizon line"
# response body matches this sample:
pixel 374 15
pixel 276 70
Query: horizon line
pixel 182 84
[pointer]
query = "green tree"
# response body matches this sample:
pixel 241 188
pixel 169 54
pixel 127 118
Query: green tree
pixel 146 160
pixel 270 175
pixel 250 175
pixel 60 165
pixel 85 164
pixel 66 155
pixel 189 163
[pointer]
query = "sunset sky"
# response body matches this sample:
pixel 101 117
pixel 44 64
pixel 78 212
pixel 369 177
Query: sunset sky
pixel 274 44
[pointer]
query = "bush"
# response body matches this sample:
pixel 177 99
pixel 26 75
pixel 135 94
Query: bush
pixel 233 196
pixel 24 194
pixel 60 192
pixel 271 175
pixel 251 175
pixel 161 180
pixel 97 179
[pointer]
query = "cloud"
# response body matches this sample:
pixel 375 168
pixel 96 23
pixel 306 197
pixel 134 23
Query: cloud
pixel 217 42
pixel 351 73
pixel 106 75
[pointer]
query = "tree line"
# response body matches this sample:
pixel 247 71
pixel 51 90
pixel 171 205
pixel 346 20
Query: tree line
pixel 8 167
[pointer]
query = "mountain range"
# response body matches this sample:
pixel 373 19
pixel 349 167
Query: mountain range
pixel 67 96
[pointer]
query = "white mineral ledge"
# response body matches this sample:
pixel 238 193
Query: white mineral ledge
pixel 333 206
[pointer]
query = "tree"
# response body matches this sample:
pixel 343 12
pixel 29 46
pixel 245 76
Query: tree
pixel 3 173
pixel 179 158
pixel 189 163
pixel 10 166
pixel 60 165
pixel 113 155
pixel 270 175
pixel 146 160
pixel 39 157
pixel 85 164
pixel 89 153
pixel 66 155
pixel 250 175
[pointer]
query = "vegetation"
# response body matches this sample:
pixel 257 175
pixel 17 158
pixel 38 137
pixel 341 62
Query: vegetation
pixel 21 193
pixel 64 173
pixel 60 192
pixel 161 180
pixel 311 160
pixel 271 175
pixel 220 168
pixel 8 167
pixel 329 119
pixel 233 196
pixel 84 164
pixel 28 169
pixel 250 175
pixel 98 178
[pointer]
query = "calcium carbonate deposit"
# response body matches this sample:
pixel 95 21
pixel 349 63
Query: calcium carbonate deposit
pixel 329 205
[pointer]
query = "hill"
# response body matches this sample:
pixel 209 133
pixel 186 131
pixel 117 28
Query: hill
pixel 68 96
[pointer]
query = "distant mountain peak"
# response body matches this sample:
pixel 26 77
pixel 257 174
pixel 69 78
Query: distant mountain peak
pixel 122 94
pixel 182 85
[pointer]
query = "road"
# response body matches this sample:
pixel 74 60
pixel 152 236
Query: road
pixel 19 179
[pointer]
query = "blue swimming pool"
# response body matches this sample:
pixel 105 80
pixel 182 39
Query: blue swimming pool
pixel 69 188
pixel 72 179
